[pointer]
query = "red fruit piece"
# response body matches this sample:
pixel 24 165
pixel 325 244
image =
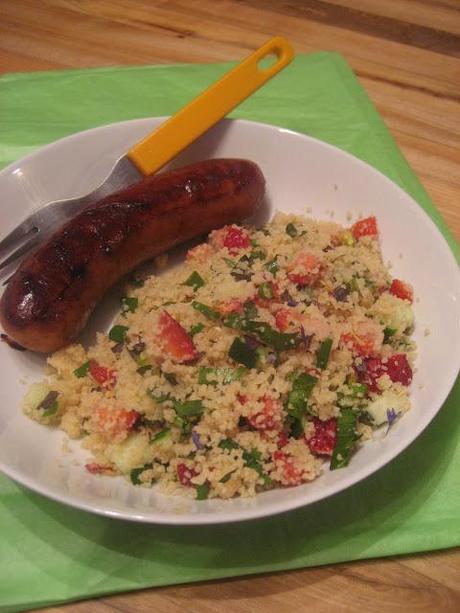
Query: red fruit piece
pixel 401 290
pixel 369 371
pixel 396 367
pixel 269 418
pixel 236 238
pixel 174 340
pixel 102 375
pixel 232 306
pixel 305 269
pixel 113 422
pixel 201 253
pixel 242 399
pixel 185 474
pixel 364 227
pixel 324 438
pixel 97 469
pixel 282 319
pixel 399 369
pixel 232 237
pixel 283 440
pixel 291 475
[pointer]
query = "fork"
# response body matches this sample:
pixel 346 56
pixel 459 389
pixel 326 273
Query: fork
pixel 155 150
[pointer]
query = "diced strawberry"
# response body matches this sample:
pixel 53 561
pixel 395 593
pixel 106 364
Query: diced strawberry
pixel 113 422
pixel 98 469
pixel 106 377
pixel 364 227
pixel 242 399
pixel 185 474
pixel 232 306
pixel 324 438
pixel 269 418
pixel 305 269
pixel 399 369
pixel 174 339
pixel 201 253
pixel 282 319
pixel 402 290
pixel 291 475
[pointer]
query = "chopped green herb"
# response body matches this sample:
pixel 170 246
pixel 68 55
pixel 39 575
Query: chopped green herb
pixel 322 355
pixel 257 254
pixel 291 230
pixel 252 460
pixel 297 402
pixel 242 353
pixel 230 262
pixel 160 398
pixel 195 281
pixel 49 404
pixel 129 304
pixel 388 333
pixel 212 376
pixel 118 333
pixel 228 443
pixel 170 378
pixel 184 425
pixel 267 335
pixel 346 438
pixel 250 310
pixel 82 370
pixel 159 436
pixel 266 291
pixel 195 329
pixel 273 266
pixel 226 477
pixel 202 491
pixel 188 408
pixel 358 390
pixel 278 340
pixel 143 364
pixel 136 472
pixel 206 310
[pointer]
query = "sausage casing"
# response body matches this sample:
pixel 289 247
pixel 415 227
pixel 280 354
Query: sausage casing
pixel 49 298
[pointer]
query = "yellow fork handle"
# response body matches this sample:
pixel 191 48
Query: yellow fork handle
pixel 164 143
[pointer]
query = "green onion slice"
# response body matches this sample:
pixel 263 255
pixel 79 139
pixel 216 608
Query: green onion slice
pixel 195 281
pixel 206 310
pixel 322 355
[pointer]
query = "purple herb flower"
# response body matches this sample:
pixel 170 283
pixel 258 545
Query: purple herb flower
pixel 288 299
pixel 305 338
pixel 196 440
pixel 392 416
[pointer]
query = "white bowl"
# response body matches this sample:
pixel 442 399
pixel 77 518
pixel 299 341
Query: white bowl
pixel 301 173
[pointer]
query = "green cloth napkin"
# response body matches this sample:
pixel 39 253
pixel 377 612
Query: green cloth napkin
pixel 50 553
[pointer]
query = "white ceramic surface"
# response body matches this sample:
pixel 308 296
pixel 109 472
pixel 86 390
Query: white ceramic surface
pixel 301 172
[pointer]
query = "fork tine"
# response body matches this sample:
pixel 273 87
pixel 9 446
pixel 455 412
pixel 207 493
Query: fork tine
pixel 21 251
pixel 17 235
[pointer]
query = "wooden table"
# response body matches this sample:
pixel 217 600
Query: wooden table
pixel 406 54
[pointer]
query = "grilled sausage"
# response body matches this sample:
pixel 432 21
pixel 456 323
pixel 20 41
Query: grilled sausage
pixel 50 297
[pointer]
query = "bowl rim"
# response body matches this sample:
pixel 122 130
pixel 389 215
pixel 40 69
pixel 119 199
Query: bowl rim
pixel 276 508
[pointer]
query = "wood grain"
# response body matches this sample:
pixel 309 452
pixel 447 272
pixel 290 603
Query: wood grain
pixel 406 54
